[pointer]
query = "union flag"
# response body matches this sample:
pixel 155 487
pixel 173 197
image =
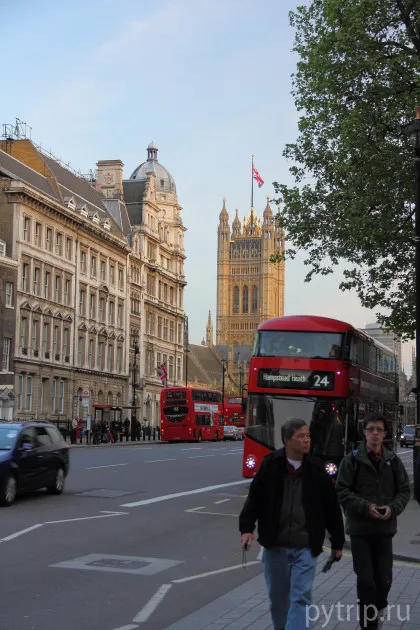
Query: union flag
pixel 257 177
pixel 163 374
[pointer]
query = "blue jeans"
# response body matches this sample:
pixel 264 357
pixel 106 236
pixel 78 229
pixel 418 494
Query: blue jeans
pixel 289 575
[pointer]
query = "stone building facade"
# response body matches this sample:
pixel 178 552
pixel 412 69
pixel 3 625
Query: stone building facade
pixel 250 288
pixel 8 285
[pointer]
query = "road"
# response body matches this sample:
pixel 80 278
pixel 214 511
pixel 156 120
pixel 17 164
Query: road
pixel 48 582
pixel 139 539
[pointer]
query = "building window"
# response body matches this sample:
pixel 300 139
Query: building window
pixel 254 302
pixel 9 294
pixel 26 229
pixel 57 289
pixel 236 299
pixel 59 244
pixel 46 338
pixel 111 274
pixel 120 278
pixel 28 393
pixel 81 351
pixel 20 391
pixel 101 356
pixel 83 261
pixel 110 365
pixel 245 300
pixel 159 327
pixel 111 313
pixel 67 290
pixel 82 301
pixel 54 396
pixel 172 331
pixel 119 359
pixel 103 270
pixel 47 285
pixel 7 344
pixel 61 397
pixel 56 341
pixel 38 234
pixel 68 248
pixel 180 330
pixel 101 309
pixel 48 239
pixel 23 336
pixel 93 266
pixel 91 353
pixel 36 281
pixel 171 369
pixel 66 345
pixel 119 315
pixel 165 329
pixel 171 295
pixel 35 335
pixel 178 369
pixel 165 292
pixel 92 306
pixel 25 277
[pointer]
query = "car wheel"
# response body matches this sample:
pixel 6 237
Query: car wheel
pixel 58 486
pixel 9 491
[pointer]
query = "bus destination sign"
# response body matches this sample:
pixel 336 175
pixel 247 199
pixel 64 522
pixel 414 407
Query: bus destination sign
pixel 295 379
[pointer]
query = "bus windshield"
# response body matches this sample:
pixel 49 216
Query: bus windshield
pixel 296 344
pixel 324 417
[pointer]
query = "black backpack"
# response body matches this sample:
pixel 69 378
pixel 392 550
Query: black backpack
pixel 356 466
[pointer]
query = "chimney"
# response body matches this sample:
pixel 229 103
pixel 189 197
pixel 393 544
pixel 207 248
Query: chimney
pixel 110 178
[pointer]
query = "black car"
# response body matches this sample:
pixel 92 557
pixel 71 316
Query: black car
pixel 33 455
pixel 408 436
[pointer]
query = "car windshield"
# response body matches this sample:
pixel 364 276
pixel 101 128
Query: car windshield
pixel 294 344
pixel 409 430
pixel 8 437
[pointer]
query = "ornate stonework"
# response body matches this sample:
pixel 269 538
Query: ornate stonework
pixel 250 288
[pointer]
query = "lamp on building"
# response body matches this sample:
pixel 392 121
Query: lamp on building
pixel 148 400
pixel 414 132
pixel 136 351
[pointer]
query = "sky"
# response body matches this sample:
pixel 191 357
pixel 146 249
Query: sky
pixel 208 81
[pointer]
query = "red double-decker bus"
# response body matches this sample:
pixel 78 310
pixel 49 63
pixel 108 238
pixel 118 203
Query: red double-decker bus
pixel 190 414
pixel 323 371
pixel 234 414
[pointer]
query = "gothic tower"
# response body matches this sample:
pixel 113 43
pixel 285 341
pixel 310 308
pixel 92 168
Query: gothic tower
pixel 209 331
pixel 250 288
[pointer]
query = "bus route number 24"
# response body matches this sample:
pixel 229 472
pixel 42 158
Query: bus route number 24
pixel 320 381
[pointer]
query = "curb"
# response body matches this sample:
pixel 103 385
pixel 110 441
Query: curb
pixel 116 444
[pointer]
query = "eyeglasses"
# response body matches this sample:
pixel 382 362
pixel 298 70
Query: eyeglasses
pixel 375 430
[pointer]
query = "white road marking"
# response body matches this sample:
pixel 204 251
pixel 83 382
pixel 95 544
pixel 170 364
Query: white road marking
pixel 176 495
pixel 152 604
pixel 234 453
pixel 260 554
pixel 197 456
pixel 221 501
pixel 108 466
pixel 202 575
pixel 111 512
pixel 130 626
pixel 144 448
pixel 22 531
pixel 152 461
pixel 192 448
pixel 84 518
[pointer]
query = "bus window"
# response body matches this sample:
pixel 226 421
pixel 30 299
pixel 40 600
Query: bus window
pixel 293 344
pixel 203 420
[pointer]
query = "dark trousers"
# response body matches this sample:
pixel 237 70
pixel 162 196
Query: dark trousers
pixel 372 563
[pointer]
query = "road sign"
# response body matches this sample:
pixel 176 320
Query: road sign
pixel 85 402
pixel 86 393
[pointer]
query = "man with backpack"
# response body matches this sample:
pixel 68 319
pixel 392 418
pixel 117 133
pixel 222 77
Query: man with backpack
pixel 373 488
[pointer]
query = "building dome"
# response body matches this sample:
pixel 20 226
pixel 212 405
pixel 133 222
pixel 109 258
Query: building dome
pixel 163 179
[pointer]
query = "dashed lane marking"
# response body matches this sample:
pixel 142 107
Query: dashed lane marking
pixel 197 456
pixel 199 511
pixel 152 604
pixel 195 509
pixel 153 461
pixel 108 466
pixel 221 501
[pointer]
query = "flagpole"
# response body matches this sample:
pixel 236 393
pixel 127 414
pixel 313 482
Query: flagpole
pixel 252 181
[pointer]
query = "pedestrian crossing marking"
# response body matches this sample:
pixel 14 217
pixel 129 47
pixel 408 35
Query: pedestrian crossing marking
pixel 221 501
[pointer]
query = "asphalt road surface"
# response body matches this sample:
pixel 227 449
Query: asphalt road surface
pixel 142 536
pixel 107 553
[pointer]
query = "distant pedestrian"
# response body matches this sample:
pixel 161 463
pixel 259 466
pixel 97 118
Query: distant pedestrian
pixel 294 502
pixel 373 488
pixel 126 429
pixel 73 431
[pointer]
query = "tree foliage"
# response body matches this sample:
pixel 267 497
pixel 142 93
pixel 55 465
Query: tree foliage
pixel 356 85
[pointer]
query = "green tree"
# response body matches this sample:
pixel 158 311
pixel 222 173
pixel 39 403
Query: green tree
pixel 356 85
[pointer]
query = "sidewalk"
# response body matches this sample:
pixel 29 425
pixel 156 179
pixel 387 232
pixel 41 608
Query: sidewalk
pixel 246 607
pixel 111 444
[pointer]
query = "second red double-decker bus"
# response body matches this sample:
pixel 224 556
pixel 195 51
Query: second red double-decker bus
pixel 323 371
pixel 190 414
pixel 234 414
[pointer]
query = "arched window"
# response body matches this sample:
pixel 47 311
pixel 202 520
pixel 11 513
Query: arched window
pixel 245 300
pixel 110 400
pixel 236 299
pixel 254 302
pixel 100 397
pixel 118 400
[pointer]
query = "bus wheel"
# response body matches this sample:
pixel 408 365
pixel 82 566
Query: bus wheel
pixel 199 437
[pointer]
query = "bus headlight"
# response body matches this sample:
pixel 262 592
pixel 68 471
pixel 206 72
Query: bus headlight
pixel 250 462
pixel 331 468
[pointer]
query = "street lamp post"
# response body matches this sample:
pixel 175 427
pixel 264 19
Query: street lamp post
pixel 414 131
pixel 133 404
pixel 223 387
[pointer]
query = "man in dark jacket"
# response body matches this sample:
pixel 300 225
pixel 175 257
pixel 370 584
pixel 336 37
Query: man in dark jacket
pixel 373 488
pixel 294 502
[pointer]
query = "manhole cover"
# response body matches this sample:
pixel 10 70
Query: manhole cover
pixel 106 493
pixel 118 563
